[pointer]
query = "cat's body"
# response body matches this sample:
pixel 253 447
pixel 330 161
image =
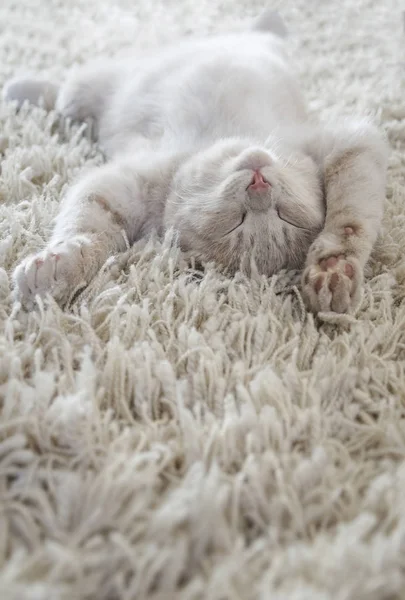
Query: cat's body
pixel 189 96
pixel 211 137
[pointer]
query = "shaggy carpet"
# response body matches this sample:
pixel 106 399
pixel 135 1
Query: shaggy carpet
pixel 176 436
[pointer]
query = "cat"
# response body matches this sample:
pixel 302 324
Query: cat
pixel 212 137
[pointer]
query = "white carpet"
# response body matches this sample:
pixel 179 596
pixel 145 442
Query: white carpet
pixel 187 439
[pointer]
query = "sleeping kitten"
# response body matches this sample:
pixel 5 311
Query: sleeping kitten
pixel 212 137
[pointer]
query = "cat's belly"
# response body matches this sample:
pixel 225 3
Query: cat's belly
pixel 214 90
pixel 227 98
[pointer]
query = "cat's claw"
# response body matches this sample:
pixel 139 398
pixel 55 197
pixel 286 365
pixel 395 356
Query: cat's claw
pixel 57 270
pixel 333 283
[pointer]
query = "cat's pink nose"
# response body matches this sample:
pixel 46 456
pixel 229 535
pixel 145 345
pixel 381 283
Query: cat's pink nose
pixel 258 182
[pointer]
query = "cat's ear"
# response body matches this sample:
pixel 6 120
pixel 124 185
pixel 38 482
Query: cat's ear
pixel 270 21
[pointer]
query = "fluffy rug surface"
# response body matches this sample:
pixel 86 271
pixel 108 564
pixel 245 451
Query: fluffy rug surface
pixel 175 436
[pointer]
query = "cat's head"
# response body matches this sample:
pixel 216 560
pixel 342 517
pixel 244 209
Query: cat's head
pixel 235 202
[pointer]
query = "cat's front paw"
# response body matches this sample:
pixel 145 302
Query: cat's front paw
pixel 332 283
pixel 58 270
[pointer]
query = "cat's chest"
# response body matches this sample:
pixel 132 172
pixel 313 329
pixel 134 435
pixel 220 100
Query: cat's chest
pixel 225 98
pixel 209 98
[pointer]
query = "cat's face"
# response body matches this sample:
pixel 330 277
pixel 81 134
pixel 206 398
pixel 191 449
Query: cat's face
pixel 234 202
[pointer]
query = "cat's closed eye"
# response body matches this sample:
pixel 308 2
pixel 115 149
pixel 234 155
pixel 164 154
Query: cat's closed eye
pixel 242 220
pixel 289 220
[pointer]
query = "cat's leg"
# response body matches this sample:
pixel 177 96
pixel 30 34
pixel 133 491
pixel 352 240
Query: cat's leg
pixel 354 168
pixel 87 90
pixel 84 95
pixel 97 217
pixel 34 90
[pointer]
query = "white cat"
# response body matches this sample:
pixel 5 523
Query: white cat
pixel 212 137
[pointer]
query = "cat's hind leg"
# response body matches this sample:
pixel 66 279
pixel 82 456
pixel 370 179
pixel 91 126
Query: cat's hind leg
pixel 87 91
pixel 83 96
pixel 36 91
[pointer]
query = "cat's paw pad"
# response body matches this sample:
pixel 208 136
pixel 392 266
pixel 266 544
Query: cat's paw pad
pixel 332 284
pixel 58 270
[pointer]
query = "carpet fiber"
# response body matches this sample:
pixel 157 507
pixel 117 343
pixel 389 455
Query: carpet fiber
pixel 176 436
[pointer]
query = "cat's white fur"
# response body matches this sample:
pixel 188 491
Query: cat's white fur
pixel 184 131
